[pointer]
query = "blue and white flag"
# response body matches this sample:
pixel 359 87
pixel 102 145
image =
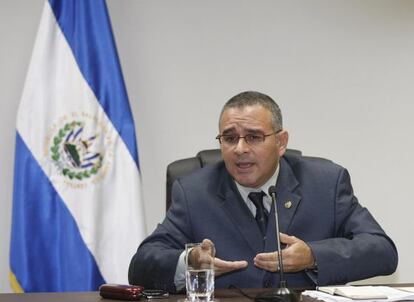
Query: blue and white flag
pixel 77 210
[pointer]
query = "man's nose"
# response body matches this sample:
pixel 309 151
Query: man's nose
pixel 242 146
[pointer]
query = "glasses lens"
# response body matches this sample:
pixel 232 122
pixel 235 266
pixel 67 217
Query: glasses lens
pixel 254 139
pixel 230 139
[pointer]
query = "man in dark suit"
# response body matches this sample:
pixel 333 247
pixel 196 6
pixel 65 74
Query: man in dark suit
pixel 327 236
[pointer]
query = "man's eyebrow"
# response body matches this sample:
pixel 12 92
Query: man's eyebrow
pixel 229 130
pixel 254 131
pixel 249 131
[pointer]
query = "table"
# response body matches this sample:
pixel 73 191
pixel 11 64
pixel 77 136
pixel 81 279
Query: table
pixel 223 295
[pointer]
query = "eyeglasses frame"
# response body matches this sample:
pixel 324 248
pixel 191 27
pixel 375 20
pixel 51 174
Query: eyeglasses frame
pixel 244 137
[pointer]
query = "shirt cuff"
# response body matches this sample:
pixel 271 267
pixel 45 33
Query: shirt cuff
pixel 179 277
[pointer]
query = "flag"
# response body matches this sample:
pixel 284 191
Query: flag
pixel 77 208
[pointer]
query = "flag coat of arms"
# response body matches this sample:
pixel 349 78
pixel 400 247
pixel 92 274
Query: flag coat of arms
pixel 77 203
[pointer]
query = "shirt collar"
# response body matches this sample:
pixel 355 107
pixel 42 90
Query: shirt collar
pixel 244 191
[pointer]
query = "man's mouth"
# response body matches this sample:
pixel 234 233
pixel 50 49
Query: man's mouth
pixel 244 165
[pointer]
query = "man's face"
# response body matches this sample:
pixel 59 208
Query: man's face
pixel 251 165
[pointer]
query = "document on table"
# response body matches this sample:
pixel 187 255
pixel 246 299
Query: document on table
pixel 406 288
pixel 360 293
pixel 354 292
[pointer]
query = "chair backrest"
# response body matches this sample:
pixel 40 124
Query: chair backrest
pixel 185 166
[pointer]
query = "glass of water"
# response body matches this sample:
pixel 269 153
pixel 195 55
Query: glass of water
pixel 199 273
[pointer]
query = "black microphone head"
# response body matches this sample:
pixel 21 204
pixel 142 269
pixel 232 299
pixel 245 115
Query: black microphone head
pixel 272 190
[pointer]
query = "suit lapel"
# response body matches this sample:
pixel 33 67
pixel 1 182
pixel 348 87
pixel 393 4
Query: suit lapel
pixel 287 201
pixel 239 214
pixel 287 198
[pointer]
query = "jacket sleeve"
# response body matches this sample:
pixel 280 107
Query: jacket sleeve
pixel 360 249
pixel 155 262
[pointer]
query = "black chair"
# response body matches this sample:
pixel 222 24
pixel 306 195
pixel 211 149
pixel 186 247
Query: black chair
pixel 184 166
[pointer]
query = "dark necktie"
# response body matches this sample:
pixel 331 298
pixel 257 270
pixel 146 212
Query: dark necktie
pixel 261 213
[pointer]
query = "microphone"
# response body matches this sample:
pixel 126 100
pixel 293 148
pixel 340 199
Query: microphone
pixel 282 293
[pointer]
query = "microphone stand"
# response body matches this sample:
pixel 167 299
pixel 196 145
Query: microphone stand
pixel 282 293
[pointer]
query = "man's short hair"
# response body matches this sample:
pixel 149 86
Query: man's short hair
pixel 252 98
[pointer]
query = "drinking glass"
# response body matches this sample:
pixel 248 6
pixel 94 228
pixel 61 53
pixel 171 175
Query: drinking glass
pixel 199 277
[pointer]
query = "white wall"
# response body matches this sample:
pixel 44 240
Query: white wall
pixel 342 72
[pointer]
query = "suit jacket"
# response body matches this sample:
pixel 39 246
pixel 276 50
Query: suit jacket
pixel 315 202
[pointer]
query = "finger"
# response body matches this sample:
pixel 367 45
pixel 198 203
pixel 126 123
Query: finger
pixel 222 266
pixel 203 255
pixel 266 256
pixel 271 266
pixel 286 239
pixel 208 246
pixel 267 261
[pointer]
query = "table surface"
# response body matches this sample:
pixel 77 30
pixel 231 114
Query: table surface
pixel 221 295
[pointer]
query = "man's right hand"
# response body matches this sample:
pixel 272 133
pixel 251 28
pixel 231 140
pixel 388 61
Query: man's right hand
pixel 222 267
pixel 202 256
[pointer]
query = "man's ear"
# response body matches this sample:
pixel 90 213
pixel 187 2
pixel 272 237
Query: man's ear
pixel 282 141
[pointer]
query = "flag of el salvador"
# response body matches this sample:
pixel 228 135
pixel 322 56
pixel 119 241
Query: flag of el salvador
pixel 78 213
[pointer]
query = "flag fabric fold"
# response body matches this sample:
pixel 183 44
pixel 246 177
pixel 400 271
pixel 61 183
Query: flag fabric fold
pixel 78 214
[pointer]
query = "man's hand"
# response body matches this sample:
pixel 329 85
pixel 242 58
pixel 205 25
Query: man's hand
pixel 202 256
pixel 222 267
pixel 296 256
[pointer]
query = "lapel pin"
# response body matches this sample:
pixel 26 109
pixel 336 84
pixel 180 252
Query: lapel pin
pixel 288 204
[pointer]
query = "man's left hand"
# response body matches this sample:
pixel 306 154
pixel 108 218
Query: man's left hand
pixel 297 256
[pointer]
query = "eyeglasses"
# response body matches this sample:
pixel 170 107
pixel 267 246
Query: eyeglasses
pixel 250 139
